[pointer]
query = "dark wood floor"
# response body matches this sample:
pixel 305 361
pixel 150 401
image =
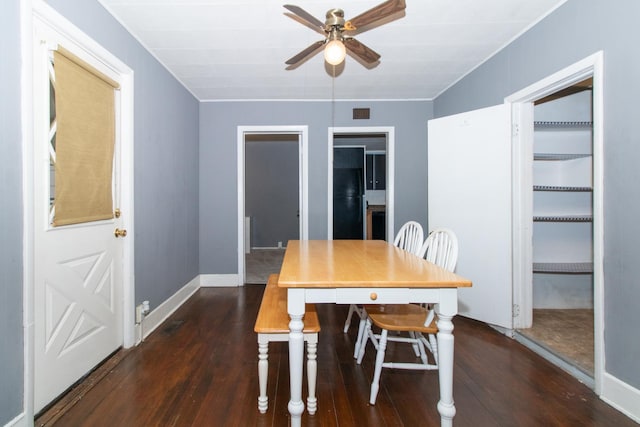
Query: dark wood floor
pixel 199 369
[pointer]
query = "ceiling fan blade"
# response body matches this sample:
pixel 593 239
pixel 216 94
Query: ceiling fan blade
pixel 305 18
pixel 361 51
pixel 306 53
pixel 375 14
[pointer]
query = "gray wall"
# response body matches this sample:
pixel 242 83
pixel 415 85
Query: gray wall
pixel 576 30
pixel 166 179
pixel 271 189
pixel 166 159
pixel 11 344
pixel 218 160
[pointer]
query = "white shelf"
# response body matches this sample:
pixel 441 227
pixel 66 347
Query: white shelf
pixel 559 156
pixel 561 188
pixel 549 125
pixel 563 267
pixel 563 218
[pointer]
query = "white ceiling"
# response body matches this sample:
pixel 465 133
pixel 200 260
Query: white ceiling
pixel 236 49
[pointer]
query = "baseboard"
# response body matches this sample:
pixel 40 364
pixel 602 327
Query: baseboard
pixel 19 421
pixel 219 280
pixel 621 396
pixel 167 308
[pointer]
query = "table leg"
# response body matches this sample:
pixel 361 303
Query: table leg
pixel 446 406
pixel 295 307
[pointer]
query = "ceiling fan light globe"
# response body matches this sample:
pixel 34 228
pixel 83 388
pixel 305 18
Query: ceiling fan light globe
pixel 335 52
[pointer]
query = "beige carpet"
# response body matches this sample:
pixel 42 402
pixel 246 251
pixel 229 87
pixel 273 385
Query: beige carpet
pixel 568 333
pixel 260 263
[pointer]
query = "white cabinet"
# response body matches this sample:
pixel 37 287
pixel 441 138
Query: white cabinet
pixel 563 203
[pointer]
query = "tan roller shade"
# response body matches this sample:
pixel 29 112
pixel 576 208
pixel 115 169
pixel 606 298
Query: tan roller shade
pixel 85 139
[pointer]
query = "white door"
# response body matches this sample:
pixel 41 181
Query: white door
pixel 78 269
pixel 469 172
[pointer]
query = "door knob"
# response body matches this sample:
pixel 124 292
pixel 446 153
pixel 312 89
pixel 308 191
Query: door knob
pixel 120 233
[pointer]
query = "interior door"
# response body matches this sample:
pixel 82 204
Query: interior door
pixel 469 185
pixel 78 269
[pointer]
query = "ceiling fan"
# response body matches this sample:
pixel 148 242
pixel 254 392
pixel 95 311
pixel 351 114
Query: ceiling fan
pixel 339 33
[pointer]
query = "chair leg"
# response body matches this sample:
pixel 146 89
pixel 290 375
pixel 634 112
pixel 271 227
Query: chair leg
pixel 347 322
pixel 362 344
pixel 361 335
pixel 434 347
pixel 375 385
pixel 423 354
pixel 312 373
pixel 263 373
pixel 430 342
pixel 414 344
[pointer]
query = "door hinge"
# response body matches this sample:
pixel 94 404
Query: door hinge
pixel 515 310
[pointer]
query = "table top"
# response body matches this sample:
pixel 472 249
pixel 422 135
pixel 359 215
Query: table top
pixel 360 264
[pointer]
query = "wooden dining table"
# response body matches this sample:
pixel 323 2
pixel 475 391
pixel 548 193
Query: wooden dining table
pixel 366 272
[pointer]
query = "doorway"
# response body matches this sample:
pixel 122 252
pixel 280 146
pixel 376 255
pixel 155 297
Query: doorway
pixel 377 144
pixel 271 202
pixel 558 219
pixel 272 197
pixel 562 237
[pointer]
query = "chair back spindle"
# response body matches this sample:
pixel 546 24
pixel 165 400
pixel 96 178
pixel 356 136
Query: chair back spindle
pixel 410 237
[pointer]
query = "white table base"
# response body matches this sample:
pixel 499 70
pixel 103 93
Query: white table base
pixel 446 300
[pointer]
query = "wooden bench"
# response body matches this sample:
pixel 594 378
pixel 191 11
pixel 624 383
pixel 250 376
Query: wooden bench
pixel 272 324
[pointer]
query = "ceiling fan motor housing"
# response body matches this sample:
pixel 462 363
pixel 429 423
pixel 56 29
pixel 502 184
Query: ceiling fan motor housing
pixel 335 18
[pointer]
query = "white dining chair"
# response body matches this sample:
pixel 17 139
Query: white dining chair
pixel 410 238
pixel 440 248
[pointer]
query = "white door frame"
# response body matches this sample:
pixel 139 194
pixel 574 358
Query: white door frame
pixel 303 182
pixel 521 104
pixel 37 13
pixel 389 192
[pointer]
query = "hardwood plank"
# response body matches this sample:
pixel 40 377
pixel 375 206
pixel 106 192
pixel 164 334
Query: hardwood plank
pixel 200 368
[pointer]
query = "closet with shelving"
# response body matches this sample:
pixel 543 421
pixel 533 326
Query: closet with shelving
pixel 562 227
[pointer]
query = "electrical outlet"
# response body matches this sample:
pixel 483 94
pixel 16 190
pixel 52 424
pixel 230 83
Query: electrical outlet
pixel 145 308
pixel 279 245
